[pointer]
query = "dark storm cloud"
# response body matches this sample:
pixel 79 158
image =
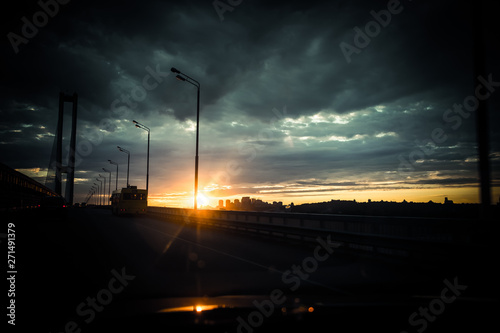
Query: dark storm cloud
pixel 264 55
pixel 278 58
pixel 449 181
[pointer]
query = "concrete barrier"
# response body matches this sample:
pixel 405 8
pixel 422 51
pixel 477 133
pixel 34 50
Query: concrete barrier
pixel 406 237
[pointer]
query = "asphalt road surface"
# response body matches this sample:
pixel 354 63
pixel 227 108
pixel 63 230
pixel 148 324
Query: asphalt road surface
pixel 93 271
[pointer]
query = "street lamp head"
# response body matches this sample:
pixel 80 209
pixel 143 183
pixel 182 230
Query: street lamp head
pixel 137 126
pixel 180 78
pixel 135 122
pixel 175 70
pixel 123 150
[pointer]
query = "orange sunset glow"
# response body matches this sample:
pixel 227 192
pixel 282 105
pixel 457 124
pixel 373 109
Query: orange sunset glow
pixel 208 199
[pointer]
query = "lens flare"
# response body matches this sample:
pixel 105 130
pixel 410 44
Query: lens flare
pixel 202 200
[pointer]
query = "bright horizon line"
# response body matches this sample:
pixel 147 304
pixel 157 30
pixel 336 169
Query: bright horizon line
pixel 178 197
pixel 464 195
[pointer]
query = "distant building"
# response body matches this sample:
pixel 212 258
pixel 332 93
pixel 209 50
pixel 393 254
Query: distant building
pixel 277 205
pixel 252 204
pixel 246 203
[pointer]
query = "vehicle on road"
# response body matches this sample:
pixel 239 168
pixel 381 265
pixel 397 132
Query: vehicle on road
pixel 129 200
pixel 53 206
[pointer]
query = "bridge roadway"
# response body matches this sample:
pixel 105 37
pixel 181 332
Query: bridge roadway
pixel 93 268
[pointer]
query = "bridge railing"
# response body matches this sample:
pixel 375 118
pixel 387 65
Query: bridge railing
pixel 18 191
pixel 394 236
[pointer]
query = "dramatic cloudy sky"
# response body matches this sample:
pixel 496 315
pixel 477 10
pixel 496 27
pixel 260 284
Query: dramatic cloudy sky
pixel 296 104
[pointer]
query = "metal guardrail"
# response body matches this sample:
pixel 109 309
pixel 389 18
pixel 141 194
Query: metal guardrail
pixel 403 237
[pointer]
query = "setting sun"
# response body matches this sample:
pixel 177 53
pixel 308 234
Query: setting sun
pixel 202 200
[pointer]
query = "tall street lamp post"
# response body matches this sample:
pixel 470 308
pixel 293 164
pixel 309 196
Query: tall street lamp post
pixel 141 126
pixel 183 77
pixel 104 191
pixel 128 161
pixel 110 161
pixel 91 192
pixel 109 182
pixel 100 191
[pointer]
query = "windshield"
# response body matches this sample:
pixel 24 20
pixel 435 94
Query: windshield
pixel 250 166
pixel 134 196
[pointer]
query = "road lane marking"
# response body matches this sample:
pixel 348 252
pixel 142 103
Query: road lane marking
pixel 208 248
pixel 174 237
pixel 236 257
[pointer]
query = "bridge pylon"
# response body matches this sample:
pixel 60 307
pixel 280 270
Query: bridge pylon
pixel 69 169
